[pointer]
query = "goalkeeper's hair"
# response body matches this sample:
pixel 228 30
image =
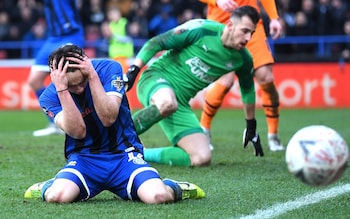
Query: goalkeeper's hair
pixel 246 10
pixel 67 50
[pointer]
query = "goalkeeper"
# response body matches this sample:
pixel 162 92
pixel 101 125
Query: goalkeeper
pixel 198 52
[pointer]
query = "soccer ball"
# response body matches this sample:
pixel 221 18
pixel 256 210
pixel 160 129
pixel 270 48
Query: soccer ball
pixel 317 155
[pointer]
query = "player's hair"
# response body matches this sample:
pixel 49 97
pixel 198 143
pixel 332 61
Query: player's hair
pixel 246 10
pixel 67 50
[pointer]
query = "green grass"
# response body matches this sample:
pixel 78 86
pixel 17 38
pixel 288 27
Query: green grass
pixel 237 183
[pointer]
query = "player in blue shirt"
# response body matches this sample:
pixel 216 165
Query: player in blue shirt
pixel 87 100
pixel 63 26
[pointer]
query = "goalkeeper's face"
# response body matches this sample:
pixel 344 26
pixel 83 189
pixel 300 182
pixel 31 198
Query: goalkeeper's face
pixel 240 31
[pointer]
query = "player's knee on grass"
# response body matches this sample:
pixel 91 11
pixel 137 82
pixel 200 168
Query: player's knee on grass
pixel 161 197
pixel 201 158
pixel 196 146
pixel 154 191
pixel 62 191
pixel 58 196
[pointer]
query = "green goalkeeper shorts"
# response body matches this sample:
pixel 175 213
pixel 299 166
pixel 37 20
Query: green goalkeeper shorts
pixel 181 123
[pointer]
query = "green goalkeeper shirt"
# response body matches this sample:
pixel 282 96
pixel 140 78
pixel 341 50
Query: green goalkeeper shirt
pixel 195 57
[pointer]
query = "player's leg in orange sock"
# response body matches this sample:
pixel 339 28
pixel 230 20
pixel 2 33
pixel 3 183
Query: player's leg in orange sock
pixel 270 103
pixel 214 98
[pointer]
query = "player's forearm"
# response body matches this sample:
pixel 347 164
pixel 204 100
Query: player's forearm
pixel 138 62
pixel 270 8
pixel 248 99
pixel 106 107
pixel 70 121
pixel 149 50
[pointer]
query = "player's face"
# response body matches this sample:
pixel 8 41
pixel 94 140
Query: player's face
pixel 76 82
pixel 240 32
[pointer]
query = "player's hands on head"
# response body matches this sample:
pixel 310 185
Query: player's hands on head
pixel 130 76
pixel 81 62
pixel 251 135
pixel 58 74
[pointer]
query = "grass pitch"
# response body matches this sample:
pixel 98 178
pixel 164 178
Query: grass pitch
pixel 237 183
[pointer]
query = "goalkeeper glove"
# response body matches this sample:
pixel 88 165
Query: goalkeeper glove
pixel 251 135
pixel 130 76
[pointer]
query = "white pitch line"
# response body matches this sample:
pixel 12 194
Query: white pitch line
pixel 281 208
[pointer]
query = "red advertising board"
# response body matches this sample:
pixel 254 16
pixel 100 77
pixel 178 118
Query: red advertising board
pixel 300 85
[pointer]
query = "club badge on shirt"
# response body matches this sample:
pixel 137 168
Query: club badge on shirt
pixel 118 83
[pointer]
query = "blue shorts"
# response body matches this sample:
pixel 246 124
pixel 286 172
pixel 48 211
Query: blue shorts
pixel 52 43
pixel 122 174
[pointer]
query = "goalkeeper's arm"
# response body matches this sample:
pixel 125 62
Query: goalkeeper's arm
pixel 250 133
pixel 131 74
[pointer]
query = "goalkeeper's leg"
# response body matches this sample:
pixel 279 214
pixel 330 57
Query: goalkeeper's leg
pixel 163 103
pixel 146 118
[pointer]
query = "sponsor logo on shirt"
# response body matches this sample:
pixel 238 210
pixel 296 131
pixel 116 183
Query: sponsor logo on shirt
pixel 86 112
pixel 200 69
pixel 48 112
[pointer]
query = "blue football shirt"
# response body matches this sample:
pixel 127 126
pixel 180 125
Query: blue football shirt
pixel 99 139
